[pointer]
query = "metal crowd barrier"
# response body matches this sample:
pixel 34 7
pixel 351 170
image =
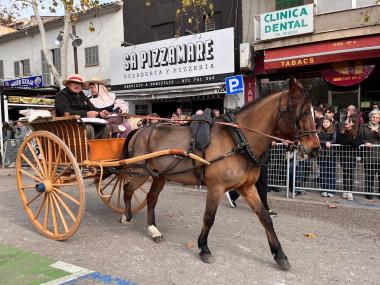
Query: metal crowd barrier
pixel 337 169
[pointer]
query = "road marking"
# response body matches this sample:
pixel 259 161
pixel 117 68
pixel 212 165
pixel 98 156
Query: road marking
pixel 77 272
pixel 80 273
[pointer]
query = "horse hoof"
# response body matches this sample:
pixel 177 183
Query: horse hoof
pixel 207 258
pixel 283 264
pixel 158 239
pixel 123 220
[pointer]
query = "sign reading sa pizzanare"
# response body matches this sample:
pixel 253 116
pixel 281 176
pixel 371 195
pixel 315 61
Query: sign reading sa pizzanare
pixel 285 23
pixel 200 58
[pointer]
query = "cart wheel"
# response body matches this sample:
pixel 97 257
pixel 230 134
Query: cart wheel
pixel 50 185
pixel 112 188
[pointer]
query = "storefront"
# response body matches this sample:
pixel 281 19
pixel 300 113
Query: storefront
pixel 349 69
pixel 339 72
pixel 187 72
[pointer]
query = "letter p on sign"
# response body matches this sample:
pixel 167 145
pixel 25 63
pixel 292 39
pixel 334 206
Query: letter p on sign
pixel 234 84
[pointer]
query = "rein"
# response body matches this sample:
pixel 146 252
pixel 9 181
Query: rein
pixel 234 125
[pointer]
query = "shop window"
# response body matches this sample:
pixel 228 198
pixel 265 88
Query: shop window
pixel 285 4
pixel 328 6
pixel 1 69
pixel 163 31
pixel 91 56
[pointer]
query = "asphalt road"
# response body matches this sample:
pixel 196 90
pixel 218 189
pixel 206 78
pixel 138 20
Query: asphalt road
pixel 345 250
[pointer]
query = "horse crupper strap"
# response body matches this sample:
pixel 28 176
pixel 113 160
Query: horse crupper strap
pixel 238 136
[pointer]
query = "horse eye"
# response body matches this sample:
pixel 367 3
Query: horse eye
pixel 306 113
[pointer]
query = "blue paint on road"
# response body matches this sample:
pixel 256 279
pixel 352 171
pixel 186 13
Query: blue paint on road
pixel 106 279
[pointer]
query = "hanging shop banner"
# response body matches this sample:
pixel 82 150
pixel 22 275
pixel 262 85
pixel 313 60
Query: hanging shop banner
pixel 347 73
pixel 30 100
pixel 195 59
pixel 24 82
pixel 285 23
pixel 249 89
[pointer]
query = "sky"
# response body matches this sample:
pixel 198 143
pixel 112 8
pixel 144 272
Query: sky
pixel 26 13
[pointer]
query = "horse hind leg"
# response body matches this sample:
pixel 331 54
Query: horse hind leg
pixel 129 188
pixel 253 200
pixel 212 203
pixel 152 198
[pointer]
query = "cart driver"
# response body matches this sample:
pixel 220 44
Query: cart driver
pixel 72 100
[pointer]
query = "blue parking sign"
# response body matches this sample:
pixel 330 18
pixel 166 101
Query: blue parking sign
pixel 234 84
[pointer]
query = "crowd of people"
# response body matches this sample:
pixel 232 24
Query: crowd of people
pixel 350 132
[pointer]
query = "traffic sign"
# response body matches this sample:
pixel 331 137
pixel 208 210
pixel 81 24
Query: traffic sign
pixel 234 84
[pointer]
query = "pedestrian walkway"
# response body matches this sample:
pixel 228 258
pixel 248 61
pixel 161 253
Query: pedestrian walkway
pixel 21 267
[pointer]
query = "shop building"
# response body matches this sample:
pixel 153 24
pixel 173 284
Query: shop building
pixel 166 63
pixel 333 45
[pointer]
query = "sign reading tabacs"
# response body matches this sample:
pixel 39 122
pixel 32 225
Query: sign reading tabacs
pixel 285 23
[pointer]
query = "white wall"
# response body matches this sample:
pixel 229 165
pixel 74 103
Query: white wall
pixel 108 34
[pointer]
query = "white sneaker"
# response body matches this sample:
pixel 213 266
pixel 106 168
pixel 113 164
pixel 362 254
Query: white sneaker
pixel 350 197
pixel 344 196
pixel 331 195
pixel 324 194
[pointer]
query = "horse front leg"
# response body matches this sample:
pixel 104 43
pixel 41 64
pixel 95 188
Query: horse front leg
pixel 152 198
pixel 212 203
pixel 129 188
pixel 251 196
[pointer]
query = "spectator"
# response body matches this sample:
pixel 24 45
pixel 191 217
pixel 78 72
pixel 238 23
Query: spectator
pixel 216 113
pixel 102 99
pixel 20 131
pixel 153 121
pixel 370 135
pixel 72 100
pixel 347 137
pixel 318 114
pixel 8 132
pixel 199 112
pixel 181 117
pixel 326 159
pixel 352 111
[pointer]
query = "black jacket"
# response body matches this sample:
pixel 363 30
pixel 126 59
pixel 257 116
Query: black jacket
pixel 75 104
pixel 347 139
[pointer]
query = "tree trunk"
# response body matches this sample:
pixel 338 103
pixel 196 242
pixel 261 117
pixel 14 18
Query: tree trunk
pixel 65 43
pixel 48 55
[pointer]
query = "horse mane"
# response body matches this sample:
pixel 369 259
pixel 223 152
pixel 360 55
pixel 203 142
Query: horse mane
pixel 257 100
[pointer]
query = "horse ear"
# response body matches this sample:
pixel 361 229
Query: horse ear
pixel 292 83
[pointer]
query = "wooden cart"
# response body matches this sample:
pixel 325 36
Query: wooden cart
pixel 52 163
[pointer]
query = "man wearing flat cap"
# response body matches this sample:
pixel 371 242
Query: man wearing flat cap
pixel 72 100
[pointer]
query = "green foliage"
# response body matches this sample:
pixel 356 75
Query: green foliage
pixel 190 13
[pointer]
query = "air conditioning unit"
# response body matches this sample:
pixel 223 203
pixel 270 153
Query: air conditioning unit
pixel 246 56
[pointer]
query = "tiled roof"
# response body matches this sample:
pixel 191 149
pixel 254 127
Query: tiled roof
pixel 6 30
pixel 32 23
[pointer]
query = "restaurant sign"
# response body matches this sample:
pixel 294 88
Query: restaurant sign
pixel 195 59
pixel 24 82
pixel 285 23
pixel 347 73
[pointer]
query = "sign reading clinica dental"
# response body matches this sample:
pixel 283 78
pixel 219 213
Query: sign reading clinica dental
pixel 285 23
pixel 193 59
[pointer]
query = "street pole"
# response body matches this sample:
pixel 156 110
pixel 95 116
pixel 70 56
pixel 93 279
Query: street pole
pixel 75 51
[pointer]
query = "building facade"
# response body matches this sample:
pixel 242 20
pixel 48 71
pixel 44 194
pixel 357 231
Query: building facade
pixel 214 57
pixel 21 50
pixel 333 45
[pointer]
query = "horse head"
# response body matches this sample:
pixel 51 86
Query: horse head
pixel 296 120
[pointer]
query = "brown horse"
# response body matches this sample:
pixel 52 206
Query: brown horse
pixel 286 114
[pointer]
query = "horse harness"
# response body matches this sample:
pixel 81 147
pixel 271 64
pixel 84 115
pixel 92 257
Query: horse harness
pixel 241 146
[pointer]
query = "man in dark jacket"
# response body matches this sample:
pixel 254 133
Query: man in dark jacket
pixel 73 101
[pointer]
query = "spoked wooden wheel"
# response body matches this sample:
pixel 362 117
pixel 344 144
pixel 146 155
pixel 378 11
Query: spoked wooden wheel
pixel 112 188
pixel 50 185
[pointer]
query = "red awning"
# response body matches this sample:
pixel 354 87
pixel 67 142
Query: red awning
pixel 324 52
